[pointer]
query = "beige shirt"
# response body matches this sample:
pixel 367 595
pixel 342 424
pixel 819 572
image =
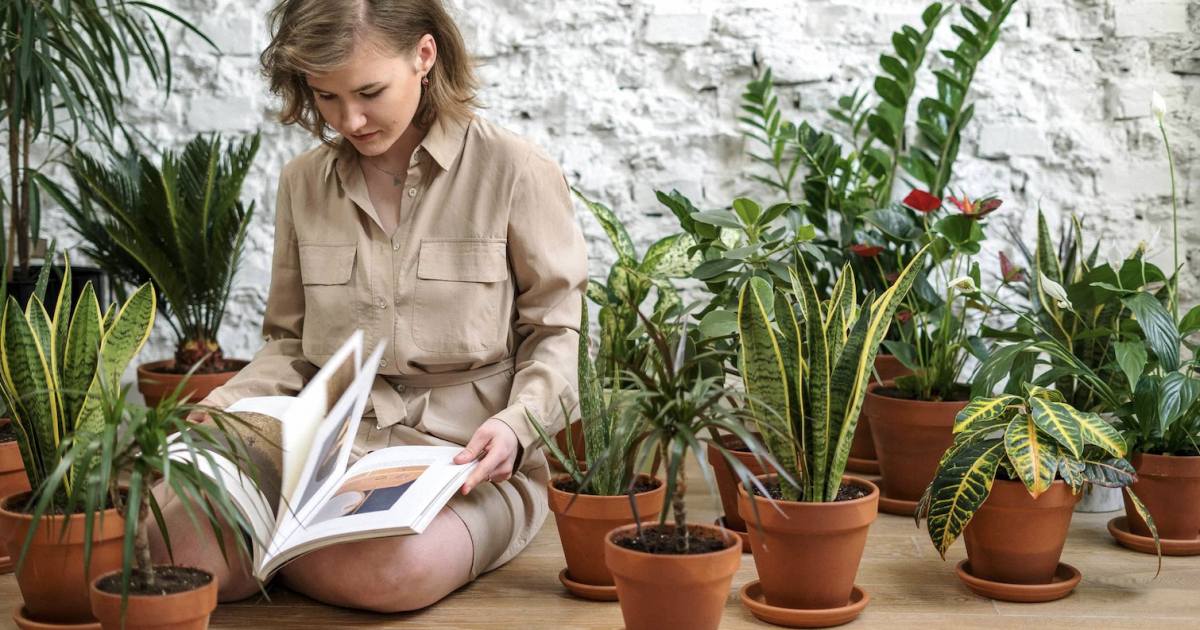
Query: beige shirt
pixel 477 293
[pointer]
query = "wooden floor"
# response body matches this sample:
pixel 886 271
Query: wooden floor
pixel 910 587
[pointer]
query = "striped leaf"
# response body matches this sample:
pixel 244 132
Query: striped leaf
pixel 62 318
pixel 1070 469
pixel 1144 512
pixel 80 353
pixel 28 380
pixel 820 387
pixel 1035 461
pixel 1112 472
pixel 764 374
pixel 840 314
pixel 1097 432
pixel 841 388
pixel 791 346
pixel 959 488
pixel 1060 421
pixel 982 410
pixel 121 342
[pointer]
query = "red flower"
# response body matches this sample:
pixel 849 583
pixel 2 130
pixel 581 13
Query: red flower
pixel 1010 272
pixel 891 277
pixel 922 201
pixel 904 316
pixel 866 251
pixel 976 209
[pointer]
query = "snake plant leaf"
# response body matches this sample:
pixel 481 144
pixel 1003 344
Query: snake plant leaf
pixel 27 375
pixel 765 375
pixel 791 346
pixel 959 488
pixel 62 318
pixel 1060 421
pixel 1097 432
pixel 820 387
pixel 1035 461
pixel 842 311
pixel 121 342
pixel 39 320
pixel 81 352
pixel 982 410
pixel 841 389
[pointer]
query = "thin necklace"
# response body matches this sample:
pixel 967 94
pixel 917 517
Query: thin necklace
pixel 397 181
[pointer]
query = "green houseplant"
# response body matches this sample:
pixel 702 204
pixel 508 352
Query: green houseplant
pixel 806 365
pixel 53 371
pixel 1010 481
pixel 181 226
pixel 598 491
pixel 678 574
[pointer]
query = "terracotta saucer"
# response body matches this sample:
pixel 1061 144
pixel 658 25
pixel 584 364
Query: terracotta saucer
pixel 899 507
pixel 752 598
pixel 1066 577
pixel 25 623
pixel 865 466
pixel 1119 528
pixel 588 591
pixel 720 522
pixel 6 564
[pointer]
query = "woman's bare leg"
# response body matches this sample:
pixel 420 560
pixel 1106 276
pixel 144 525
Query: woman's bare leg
pixel 388 575
pixel 194 545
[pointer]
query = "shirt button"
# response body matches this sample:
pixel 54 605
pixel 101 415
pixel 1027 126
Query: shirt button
pixel 383 363
pixel 381 303
pixel 412 192
pixel 396 247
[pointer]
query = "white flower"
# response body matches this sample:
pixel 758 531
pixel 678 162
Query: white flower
pixel 1158 106
pixel 966 284
pixel 1056 292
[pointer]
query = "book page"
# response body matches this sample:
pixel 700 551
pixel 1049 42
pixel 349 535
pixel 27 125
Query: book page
pixel 390 492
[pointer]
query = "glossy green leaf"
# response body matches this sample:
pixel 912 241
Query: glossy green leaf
pixel 1036 462
pixel 960 486
pixel 1158 326
pixel 1060 421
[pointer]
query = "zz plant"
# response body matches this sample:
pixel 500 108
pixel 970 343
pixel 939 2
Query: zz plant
pixel 806 366
pixel 1035 438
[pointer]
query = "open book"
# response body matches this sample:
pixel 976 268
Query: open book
pixel 303 496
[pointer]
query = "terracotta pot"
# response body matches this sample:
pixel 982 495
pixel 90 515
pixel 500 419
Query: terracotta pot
pixel 910 436
pixel 1170 487
pixel 807 556
pixel 727 483
pixel 155 385
pixel 583 524
pixel 188 610
pixel 862 449
pixel 52 579
pixel 1016 539
pixel 12 481
pixel 672 591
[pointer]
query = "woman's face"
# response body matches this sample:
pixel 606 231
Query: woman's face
pixel 372 98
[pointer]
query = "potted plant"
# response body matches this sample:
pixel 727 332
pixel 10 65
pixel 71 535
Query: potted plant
pixel 806 365
pixel 1010 483
pixel 677 574
pixel 54 368
pixel 182 227
pixel 598 490
pixel 66 65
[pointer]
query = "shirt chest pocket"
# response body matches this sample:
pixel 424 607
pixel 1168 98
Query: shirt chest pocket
pixel 327 272
pixel 462 296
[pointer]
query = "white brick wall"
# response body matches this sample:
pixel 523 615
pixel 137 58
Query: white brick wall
pixel 636 95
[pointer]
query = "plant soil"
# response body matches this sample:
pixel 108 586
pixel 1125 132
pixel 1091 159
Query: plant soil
pixel 569 485
pixel 662 539
pixel 8 433
pixel 213 366
pixel 167 580
pixel 958 394
pixel 847 492
pixel 24 504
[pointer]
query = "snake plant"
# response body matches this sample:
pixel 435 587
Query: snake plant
pixel 1035 438
pixel 52 369
pixel 806 366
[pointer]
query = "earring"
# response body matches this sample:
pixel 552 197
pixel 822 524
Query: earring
pixel 425 81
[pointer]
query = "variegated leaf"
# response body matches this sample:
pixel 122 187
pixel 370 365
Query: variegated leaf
pixel 960 486
pixel 121 342
pixel 820 387
pixel 1114 472
pixel 1035 461
pixel 28 381
pixel 1060 421
pixel 982 410
pixel 764 375
pixel 1144 512
pixel 1097 432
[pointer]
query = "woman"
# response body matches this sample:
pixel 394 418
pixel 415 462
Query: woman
pixel 441 234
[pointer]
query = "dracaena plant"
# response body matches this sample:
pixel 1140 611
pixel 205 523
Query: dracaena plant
pixel 629 283
pixel 1035 438
pixel 54 368
pixel 607 431
pixel 181 226
pixel 681 403
pixel 806 364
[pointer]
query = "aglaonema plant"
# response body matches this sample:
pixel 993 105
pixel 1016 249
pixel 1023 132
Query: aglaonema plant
pixel 806 364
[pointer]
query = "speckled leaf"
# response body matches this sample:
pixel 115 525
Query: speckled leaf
pixel 1060 422
pixel 959 488
pixel 981 410
pixel 1035 461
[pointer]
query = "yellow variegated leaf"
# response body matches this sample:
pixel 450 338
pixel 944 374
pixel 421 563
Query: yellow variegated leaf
pixel 1060 421
pixel 1035 462
pixel 982 410
pixel 960 486
pixel 1100 433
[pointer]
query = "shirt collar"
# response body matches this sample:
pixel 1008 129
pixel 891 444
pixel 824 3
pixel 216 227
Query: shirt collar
pixel 444 143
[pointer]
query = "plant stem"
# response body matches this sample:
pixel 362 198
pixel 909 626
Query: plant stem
pixel 1174 285
pixel 680 511
pixel 141 544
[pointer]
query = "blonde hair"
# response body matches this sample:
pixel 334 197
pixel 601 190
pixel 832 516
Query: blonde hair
pixel 318 36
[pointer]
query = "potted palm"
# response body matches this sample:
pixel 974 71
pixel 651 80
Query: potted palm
pixel 54 368
pixel 597 491
pixel 182 227
pixel 1010 483
pixel 677 574
pixel 806 365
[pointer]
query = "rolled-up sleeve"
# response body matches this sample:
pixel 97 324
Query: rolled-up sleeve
pixel 548 256
pixel 279 368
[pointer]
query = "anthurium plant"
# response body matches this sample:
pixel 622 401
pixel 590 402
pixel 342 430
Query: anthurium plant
pixel 806 364
pixel 1035 438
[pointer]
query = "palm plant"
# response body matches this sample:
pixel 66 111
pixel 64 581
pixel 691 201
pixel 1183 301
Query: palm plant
pixel 54 369
pixel 806 365
pixel 65 63
pixel 181 226
pixel 1035 438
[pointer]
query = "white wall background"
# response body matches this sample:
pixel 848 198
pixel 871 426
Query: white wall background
pixel 637 95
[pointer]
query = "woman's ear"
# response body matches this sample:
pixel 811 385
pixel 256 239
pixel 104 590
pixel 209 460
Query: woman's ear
pixel 426 54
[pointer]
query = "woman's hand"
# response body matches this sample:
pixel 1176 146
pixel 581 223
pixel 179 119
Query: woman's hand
pixel 498 444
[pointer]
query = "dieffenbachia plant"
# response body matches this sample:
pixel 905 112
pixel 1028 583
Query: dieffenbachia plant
pixel 806 365
pixel 1035 438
